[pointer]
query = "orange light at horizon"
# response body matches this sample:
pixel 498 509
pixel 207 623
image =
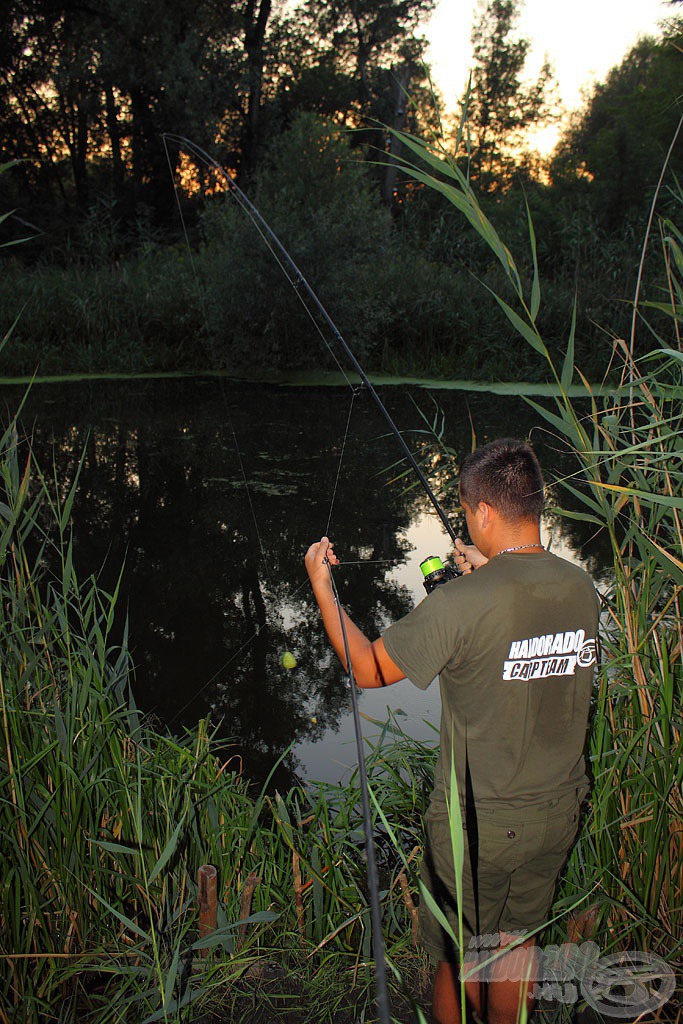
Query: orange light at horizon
pixel 194 179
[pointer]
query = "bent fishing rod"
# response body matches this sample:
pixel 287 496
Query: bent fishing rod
pixel 300 281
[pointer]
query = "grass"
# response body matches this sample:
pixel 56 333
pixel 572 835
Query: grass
pixel 104 823
pixel 627 451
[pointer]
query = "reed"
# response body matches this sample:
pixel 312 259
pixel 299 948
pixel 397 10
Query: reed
pixel 104 822
pixel 625 438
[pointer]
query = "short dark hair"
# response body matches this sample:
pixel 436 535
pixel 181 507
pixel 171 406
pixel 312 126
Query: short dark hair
pixel 506 475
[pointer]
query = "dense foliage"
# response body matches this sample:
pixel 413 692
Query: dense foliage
pixel 112 277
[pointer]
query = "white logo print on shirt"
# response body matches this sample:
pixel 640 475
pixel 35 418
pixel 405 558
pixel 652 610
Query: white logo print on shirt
pixel 553 654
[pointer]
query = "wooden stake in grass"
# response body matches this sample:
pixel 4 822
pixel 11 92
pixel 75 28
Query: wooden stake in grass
pixel 410 906
pixel 208 901
pixel 582 925
pixel 298 895
pixel 245 905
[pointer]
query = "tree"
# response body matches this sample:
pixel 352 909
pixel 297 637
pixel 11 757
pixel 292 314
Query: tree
pixel 614 150
pixel 500 106
pixel 363 32
pixel 88 91
pixel 256 17
pixel 360 64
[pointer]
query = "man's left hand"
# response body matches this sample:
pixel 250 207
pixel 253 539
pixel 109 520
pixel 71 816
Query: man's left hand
pixel 316 558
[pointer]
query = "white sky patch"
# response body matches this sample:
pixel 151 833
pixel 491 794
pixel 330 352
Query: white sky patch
pixel 582 42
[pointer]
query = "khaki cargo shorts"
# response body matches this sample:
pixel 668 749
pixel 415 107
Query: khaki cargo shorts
pixel 520 855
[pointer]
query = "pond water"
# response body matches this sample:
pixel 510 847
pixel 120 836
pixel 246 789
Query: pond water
pixel 208 493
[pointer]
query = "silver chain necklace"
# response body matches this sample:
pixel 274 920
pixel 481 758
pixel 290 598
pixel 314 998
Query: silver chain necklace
pixel 520 547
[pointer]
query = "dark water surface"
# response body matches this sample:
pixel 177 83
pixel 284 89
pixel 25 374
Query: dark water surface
pixel 208 493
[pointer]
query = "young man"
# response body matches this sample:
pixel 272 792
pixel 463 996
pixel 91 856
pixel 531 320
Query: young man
pixel 514 646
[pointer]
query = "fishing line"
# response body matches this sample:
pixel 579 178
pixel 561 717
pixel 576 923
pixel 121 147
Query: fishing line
pixel 228 663
pixel 254 635
pixel 264 558
pixel 200 292
pixel 354 392
pixel 295 282
pixel 268 238
pixel 370 561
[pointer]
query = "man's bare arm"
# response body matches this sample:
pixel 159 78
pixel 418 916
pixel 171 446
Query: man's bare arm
pixel 372 666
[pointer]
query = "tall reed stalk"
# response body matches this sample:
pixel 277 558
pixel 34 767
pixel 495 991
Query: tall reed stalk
pixel 626 436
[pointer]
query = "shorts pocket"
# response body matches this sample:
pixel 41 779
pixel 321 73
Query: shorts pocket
pixel 503 844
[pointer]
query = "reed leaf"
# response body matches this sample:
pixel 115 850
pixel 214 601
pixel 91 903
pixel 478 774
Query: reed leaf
pixel 535 299
pixel 627 448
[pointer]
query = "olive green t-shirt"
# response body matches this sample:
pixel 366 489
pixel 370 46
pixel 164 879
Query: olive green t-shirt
pixel 514 646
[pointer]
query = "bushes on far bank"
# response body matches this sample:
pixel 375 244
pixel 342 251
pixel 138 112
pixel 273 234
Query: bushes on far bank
pixel 402 293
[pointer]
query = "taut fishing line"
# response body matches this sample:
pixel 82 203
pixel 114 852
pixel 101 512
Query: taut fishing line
pixel 341 458
pixel 270 240
pixel 299 283
pixel 200 292
pixel 232 657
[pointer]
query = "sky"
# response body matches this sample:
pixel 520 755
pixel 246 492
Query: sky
pixel 582 39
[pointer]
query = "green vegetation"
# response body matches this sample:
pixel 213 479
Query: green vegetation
pixel 627 449
pixel 291 104
pixel 104 823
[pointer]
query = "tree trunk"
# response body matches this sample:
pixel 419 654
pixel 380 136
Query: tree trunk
pixel 114 132
pixel 73 126
pixel 254 37
pixel 151 178
pixel 137 107
pixel 81 162
pixel 362 57
pixel 402 81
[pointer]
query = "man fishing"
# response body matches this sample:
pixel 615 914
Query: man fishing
pixel 514 646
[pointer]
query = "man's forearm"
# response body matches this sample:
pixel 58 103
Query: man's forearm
pixel 370 663
pixel 372 667
pixel 330 612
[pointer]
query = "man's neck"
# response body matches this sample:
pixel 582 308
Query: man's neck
pixel 520 539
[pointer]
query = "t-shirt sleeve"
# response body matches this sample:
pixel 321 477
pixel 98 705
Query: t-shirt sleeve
pixel 424 641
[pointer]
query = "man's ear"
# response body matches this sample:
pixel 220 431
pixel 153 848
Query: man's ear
pixel 485 512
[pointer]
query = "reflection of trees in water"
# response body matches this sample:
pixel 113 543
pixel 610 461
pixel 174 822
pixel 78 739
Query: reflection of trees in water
pixel 161 488
pixel 210 614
